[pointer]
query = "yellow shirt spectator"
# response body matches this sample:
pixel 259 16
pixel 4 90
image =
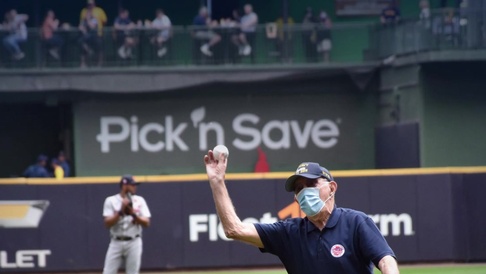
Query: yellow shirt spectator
pixel 58 172
pixel 280 27
pixel 57 168
pixel 98 13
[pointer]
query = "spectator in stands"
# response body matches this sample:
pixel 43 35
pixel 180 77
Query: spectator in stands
pixel 447 26
pixel 163 24
pixel 203 31
pixel 57 170
pixel 248 24
pixel 284 38
pixel 18 33
pixel 324 44
pixel 309 34
pixel 61 157
pixel 90 41
pixel 391 14
pixel 51 39
pixel 235 16
pixel 100 16
pixel 38 170
pixel 424 14
pixel 124 28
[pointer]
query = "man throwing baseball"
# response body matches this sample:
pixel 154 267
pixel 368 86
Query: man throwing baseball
pixel 329 240
pixel 125 214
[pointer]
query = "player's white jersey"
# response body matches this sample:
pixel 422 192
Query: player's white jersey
pixel 125 226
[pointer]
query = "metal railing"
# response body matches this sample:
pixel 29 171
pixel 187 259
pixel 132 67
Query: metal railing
pixel 270 44
pixel 447 29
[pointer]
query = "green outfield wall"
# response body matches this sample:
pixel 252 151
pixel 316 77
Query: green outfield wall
pixel 327 120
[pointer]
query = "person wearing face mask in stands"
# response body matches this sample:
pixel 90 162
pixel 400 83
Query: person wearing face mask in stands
pixel 329 240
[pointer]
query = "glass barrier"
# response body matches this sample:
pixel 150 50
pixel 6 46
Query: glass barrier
pixel 186 46
pixel 447 29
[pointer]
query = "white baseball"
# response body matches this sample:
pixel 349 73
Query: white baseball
pixel 220 149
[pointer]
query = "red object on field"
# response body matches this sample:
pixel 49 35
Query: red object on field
pixel 262 163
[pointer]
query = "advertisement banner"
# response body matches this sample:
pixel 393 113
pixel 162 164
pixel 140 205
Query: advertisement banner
pixel 170 136
pixel 418 215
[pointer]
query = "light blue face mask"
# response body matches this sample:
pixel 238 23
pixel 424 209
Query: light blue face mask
pixel 310 202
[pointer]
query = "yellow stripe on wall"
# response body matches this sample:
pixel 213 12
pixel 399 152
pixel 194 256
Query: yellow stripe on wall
pixel 244 176
pixel 13 211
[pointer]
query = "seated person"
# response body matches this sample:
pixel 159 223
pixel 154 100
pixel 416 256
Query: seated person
pixel 163 25
pixel 203 32
pixel 390 14
pixel 100 15
pixel 248 24
pixel 48 34
pixel 37 170
pixel 324 44
pixel 124 26
pixel 89 41
pixel 15 23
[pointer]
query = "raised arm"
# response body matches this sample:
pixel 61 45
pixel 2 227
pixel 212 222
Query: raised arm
pixel 233 227
pixel 388 265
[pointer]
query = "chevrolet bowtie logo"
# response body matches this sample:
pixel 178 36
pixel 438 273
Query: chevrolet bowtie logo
pixel 22 214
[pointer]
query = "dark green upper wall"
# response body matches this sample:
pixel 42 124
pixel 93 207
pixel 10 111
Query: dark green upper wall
pixel 182 12
pixel 454 125
pixel 409 8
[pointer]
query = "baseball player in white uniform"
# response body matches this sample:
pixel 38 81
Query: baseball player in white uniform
pixel 125 214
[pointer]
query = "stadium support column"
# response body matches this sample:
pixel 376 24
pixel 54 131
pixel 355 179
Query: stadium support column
pixel 285 18
pixel 400 111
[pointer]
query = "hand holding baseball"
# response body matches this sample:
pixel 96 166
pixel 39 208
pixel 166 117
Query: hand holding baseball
pixel 216 167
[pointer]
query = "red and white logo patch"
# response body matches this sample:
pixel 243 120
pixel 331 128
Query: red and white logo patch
pixel 337 251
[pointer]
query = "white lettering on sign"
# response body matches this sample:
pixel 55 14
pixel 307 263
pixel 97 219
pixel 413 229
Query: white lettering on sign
pixel 323 133
pixel 250 130
pixel 25 259
pixel 138 134
pixel 397 222
pixel 208 224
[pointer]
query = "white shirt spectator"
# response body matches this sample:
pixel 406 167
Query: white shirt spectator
pixel 163 22
pixel 249 22
pixel 18 27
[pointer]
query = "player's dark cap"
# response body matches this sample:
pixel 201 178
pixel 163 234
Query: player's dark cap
pixel 127 179
pixel 308 170
pixel 42 158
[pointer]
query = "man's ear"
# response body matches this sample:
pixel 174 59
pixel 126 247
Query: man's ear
pixel 334 186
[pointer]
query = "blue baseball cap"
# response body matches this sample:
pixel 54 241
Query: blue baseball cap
pixel 127 179
pixel 42 157
pixel 308 170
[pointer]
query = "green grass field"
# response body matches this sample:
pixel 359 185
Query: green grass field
pixel 443 269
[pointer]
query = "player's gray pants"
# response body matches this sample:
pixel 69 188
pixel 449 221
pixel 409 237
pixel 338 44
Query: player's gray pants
pixel 129 252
